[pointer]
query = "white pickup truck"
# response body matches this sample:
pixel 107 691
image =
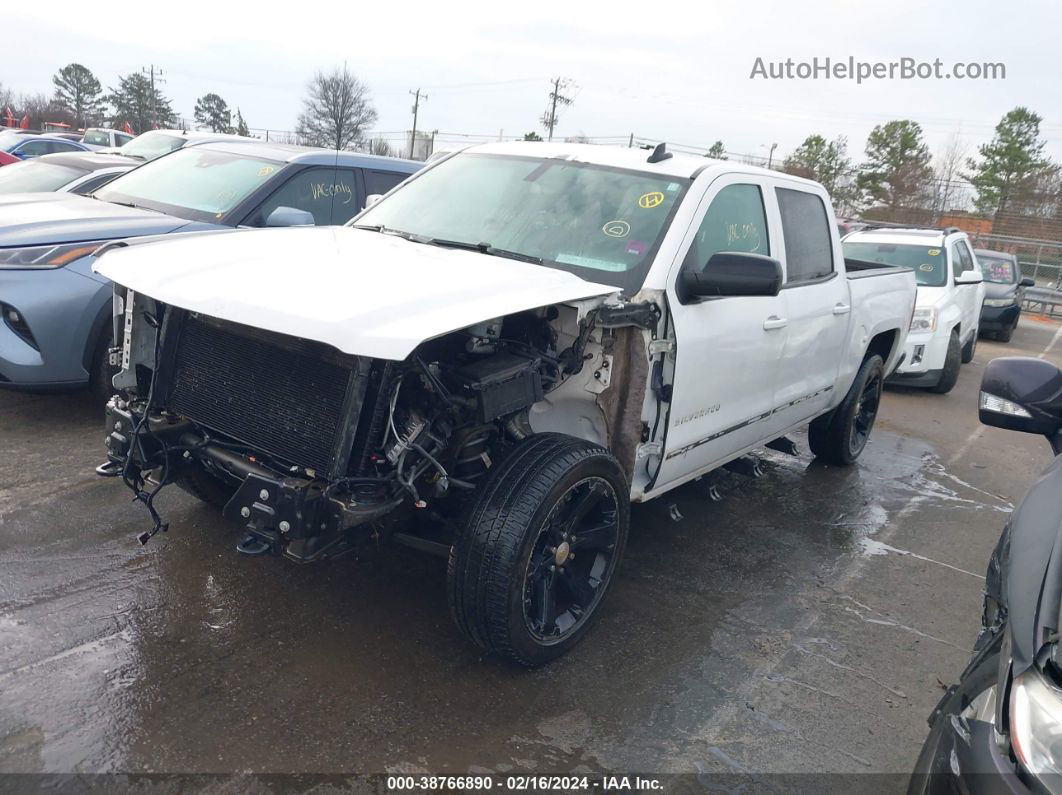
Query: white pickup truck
pixel 516 344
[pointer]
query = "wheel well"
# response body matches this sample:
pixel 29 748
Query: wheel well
pixel 882 345
pixel 99 327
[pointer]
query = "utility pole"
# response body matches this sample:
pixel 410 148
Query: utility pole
pixel 152 71
pixel 770 155
pixel 417 97
pixel 549 118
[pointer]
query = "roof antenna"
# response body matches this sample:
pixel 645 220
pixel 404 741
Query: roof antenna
pixel 659 154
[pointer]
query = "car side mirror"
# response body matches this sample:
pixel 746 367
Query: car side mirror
pixel 731 273
pixel 973 276
pixel 372 198
pixel 1022 394
pixel 1027 281
pixel 289 216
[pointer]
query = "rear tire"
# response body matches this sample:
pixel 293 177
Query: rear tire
pixel 205 487
pixel 841 436
pixel 514 583
pixel 952 362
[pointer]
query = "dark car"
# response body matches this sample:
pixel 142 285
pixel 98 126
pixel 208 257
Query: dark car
pixel 77 172
pixel 55 325
pixel 1004 292
pixel 999 730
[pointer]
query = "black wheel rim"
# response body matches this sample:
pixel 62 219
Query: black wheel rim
pixel 571 560
pixel 865 413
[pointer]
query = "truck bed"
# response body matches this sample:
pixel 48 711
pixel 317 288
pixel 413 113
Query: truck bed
pixel 861 269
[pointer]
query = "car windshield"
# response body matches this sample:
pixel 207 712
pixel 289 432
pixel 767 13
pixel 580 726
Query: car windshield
pixel 97 138
pixel 603 224
pixel 998 270
pixel 151 145
pixel 928 262
pixel 195 183
pixel 36 175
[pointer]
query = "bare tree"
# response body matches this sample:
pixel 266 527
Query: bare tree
pixel 379 146
pixel 336 111
pixel 946 167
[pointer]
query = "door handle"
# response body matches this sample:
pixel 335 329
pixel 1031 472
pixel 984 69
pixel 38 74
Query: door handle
pixel 774 322
pixel 841 309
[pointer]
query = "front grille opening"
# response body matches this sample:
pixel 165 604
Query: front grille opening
pixel 282 395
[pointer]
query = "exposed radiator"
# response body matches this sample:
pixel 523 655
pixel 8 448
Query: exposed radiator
pixel 281 395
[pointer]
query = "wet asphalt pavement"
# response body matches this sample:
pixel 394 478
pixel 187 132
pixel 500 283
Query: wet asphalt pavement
pixel 805 623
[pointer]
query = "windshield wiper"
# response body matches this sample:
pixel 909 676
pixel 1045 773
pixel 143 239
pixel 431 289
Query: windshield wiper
pixel 130 204
pixel 383 230
pixel 484 248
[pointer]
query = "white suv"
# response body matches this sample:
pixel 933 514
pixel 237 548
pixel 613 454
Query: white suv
pixel 950 293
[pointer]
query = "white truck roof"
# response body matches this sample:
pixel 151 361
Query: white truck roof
pixel 680 164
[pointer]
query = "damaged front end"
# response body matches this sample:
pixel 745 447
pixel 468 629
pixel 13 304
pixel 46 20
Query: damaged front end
pixel 310 448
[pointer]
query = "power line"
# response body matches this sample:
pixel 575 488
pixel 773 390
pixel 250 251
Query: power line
pixel 549 118
pixel 417 97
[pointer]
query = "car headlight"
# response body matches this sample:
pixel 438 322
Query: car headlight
pixel 999 302
pixel 55 256
pixel 1036 724
pixel 924 319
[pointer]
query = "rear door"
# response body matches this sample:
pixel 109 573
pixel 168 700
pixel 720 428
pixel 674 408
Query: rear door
pixel 817 305
pixel 727 348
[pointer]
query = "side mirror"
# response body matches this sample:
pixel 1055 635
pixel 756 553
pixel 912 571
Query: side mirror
pixel 372 198
pixel 731 273
pixel 1022 394
pixel 973 276
pixel 289 216
pixel 1027 281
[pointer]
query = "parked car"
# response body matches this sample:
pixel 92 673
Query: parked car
pixel 998 729
pixel 24 144
pixel 104 137
pixel 530 336
pixel 1004 292
pixel 80 172
pixel 56 330
pixel 945 323
pixel 157 143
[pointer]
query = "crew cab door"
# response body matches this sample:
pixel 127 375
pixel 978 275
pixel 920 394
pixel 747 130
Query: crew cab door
pixel 817 305
pixel 727 348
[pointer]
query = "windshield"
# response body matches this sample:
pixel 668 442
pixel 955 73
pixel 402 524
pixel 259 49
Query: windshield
pixel 97 138
pixel 194 183
pixel 603 224
pixel 151 145
pixel 928 262
pixel 36 175
pixel 997 270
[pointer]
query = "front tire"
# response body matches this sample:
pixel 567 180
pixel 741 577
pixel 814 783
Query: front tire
pixel 102 372
pixel 205 487
pixel 540 545
pixel 840 436
pixel 949 376
pixel 970 348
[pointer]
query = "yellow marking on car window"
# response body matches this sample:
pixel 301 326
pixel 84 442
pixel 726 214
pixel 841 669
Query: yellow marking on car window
pixel 933 252
pixel 650 200
pixel 265 171
pixel 616 229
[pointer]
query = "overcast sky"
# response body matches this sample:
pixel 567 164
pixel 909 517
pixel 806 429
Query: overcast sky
pixel 661 71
